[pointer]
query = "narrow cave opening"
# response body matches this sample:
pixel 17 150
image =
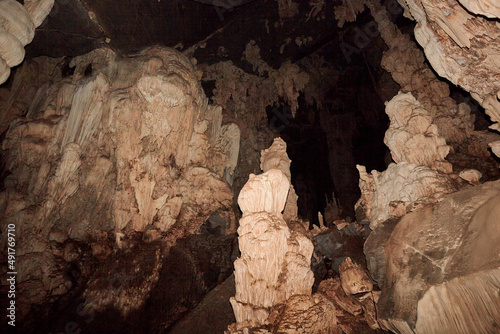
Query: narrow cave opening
pixel 325 145
pixel 327 139
pixel 307 148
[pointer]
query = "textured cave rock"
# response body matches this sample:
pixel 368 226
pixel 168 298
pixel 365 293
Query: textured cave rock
pixel 439 266
pixel 306 314
pixel 406 63
pixel 275 157
pixel 401 188
pixel 244 96
pixel 275 260
pixel 412 137
pixel 18 24
pixel 121 149
pixel 273 276
pixel 354 278
pixel 461 45
pixel 436 266
pixel 354 313
pixel 115 162
pixel 420 175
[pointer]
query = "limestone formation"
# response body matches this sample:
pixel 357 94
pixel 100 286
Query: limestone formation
pixel 276 157
pixel 461 46
pixel 307 314
pixel 412 137
pixel 355 313
pixel 406 63
pixel 495 148
pixel 274 265
pixel 227 148
pixel 118 152
pixel 421 173
pixel 402 188
pixel 471 175
pixel 18 23
pixel 275 261
pixel 354 278
pixel 442 266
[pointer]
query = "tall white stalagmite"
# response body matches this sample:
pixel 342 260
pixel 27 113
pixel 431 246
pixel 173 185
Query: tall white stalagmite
pixel 275 261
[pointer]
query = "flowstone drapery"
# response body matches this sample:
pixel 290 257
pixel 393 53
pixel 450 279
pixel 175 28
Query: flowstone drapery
pixel 133 147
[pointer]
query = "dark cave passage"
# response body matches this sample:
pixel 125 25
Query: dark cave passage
pixel 325 146
pixel 308 150
pixel 327 141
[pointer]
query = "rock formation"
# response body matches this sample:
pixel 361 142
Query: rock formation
pixel 306 314
pixel 442 266
pixel 406 63
pixel 354 278
pixel 275 157
pixel 18 23
pixel 420 175
pixel 125 150
pixel 495 148
pixel 461 46
pixel 112 161
pixel 412 137
pixel 429 263
pixel 275 261
pixel 355 313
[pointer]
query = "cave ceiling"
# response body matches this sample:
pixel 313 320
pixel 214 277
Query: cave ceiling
pixel 221 31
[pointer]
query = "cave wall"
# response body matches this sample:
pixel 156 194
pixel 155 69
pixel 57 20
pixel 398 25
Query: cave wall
pixel 124 148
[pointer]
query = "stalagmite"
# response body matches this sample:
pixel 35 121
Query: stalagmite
pixel 412 137
pixel 276 157
pixel 273 275
pixel 275 262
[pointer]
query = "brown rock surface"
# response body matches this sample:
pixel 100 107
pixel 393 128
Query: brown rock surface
pixel 120 150
pixel 441 264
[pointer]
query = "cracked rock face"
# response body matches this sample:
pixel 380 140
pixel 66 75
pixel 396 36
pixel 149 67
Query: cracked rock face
pixel 121 151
